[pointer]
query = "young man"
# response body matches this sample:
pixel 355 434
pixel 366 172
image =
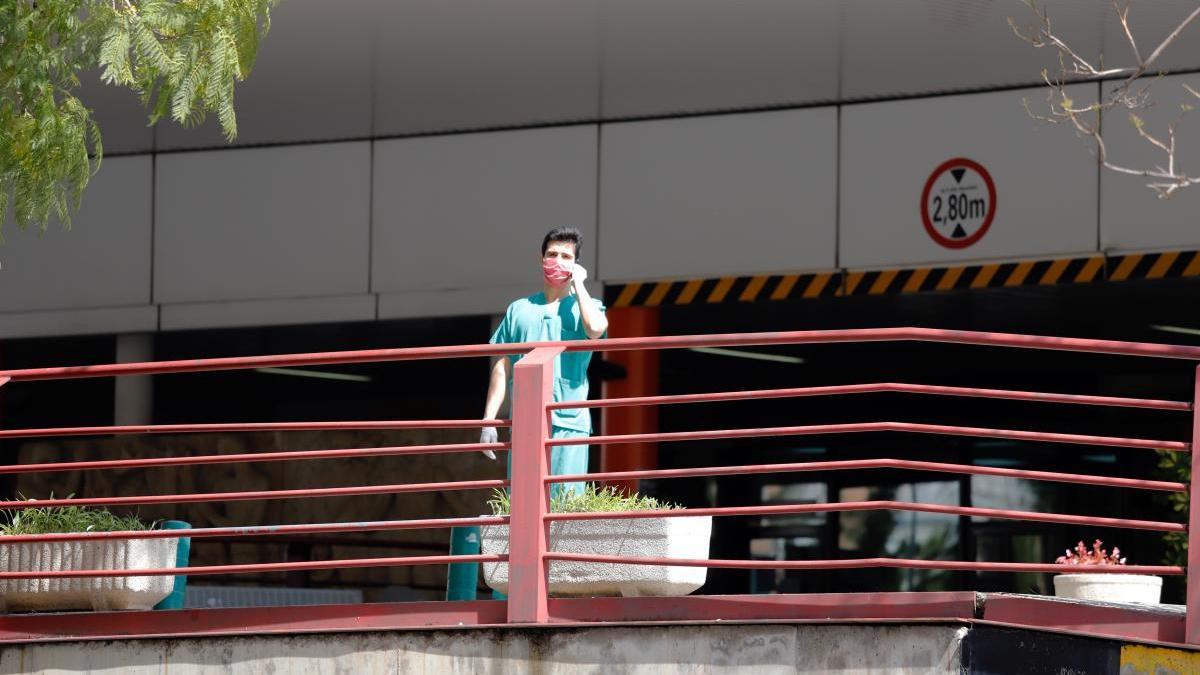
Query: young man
pixel 563 310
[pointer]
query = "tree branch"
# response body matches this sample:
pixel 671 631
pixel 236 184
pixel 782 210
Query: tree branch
pixel 1132 92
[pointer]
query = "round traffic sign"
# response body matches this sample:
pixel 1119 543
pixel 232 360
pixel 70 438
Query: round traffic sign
pixel 958 203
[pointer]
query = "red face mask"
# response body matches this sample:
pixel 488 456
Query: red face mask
pixel 555 274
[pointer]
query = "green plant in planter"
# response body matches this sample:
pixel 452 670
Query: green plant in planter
pixel 1176 466
pixel 65 519
pixel 592 499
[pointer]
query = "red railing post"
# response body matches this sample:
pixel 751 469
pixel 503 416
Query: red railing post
pixel 1192 625
pixel 529 532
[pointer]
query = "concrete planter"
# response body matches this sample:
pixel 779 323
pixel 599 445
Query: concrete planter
pixel 99 593
pixel 682 537
pixel 1143 588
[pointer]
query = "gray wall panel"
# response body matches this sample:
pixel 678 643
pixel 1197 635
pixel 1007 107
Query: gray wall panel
pixel 706 196
pixel 1046 183
pixel 260 223
pixel 469 211
pixel 1132 216
pixel 195 315
pixel 124 122
pixel 103 261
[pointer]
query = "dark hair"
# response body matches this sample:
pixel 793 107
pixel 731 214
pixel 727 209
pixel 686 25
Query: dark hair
pixel 563 234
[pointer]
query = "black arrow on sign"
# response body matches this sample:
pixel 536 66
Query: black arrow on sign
pixel 958 174
pixel 959 232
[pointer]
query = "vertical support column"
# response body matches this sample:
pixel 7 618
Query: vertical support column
pixel 133 396
pixel 528 531
pixel 1192 625
pixel 641 379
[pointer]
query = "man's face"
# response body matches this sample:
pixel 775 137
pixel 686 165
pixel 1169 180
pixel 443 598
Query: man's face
pixel 563 252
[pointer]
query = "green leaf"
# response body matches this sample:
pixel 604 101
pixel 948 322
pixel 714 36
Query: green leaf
pixel 182 57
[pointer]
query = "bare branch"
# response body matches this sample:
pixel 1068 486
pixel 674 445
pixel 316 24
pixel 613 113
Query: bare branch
pixel 1131 92
pixel 1123 15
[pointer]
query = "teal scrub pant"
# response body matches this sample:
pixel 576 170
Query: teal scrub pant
pixel 565 459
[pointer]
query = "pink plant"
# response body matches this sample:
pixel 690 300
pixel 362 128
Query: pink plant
pixel 1097 556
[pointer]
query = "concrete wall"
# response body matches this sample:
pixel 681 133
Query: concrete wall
pixel 449 224
pixel 654 650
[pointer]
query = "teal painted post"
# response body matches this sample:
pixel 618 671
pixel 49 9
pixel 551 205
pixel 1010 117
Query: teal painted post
pixel 461 578
pixel 182 551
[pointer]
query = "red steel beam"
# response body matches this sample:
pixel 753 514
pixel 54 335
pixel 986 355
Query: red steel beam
pixel 291 455
pixel 786 607
pixel 528 571
pixel 207 570
pixel 1192 620
pixel 1090 618
pixel 883 387
pixel 270 361
pixel 864 563
pixel 257 494
pixel 256 621
pixel 878 505
pixel 935 335
pixel 871 427
pixel 262 530
pixel 468 615
pixel 856 464
pixel 250 426
pixel 827 608
pixel 619 344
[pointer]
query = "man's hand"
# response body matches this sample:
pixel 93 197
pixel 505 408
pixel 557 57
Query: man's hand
pixel 594 323
pixel 579 274
pixel 489 435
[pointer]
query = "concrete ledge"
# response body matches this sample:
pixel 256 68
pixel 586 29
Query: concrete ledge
pixel 666 650
pixel 236 314
pixel 95 321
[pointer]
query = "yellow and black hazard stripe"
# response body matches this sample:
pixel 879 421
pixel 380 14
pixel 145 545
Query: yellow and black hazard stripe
pixel 1080 270
pixel 1153 265
pixel 955 278
pixel 723 289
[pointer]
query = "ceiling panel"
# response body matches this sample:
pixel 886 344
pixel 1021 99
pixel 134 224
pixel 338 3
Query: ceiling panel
pixel 356 68
pixel 668 56
pixel 459 64
pixel 896 48
pixel 1151 23
pixel 312 80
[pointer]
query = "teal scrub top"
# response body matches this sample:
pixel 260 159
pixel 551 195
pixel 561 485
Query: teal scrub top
pixel 532 320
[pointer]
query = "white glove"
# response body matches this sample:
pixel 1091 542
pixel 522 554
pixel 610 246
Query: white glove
pixel 579 273
pixel 489 435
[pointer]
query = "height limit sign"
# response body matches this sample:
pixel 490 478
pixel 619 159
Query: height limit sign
pixel 959 203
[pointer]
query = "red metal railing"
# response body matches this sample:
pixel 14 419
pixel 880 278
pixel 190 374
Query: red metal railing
pixel 529 557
